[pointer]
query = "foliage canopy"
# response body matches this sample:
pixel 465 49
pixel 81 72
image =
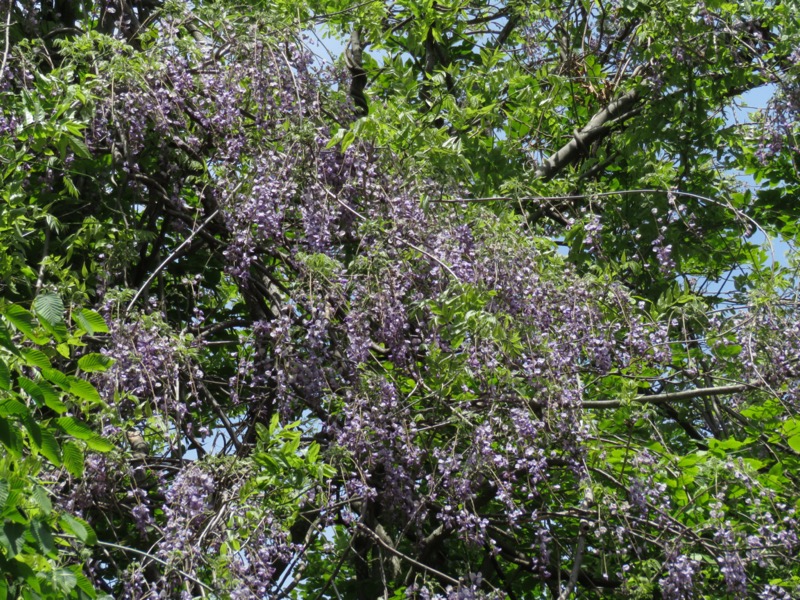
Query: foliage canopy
pixel 485 307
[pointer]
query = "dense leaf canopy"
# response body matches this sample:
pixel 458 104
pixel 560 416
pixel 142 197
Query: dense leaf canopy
pixel 499 300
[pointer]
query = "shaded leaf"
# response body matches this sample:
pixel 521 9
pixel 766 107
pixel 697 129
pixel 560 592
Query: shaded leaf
pixel 33 429
pixel 12 406
pixel 75 428
pixel 57 377
pixel 43 536
pixel 6 341
pixel 99 444
pixel 81 431
pixel 12 538
pixel 52 398
pixel 11 437
pixel 84 584
pixel 30 388
pixel 5 376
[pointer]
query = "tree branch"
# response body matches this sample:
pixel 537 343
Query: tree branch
pixel 353 58
pixel 598 127
pixel 376 538
pixel 674 396
pixel 576 565
pixel 6 43
pixel 149 556
pixel 168 260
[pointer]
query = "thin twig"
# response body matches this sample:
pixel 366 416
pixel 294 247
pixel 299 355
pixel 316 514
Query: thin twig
pixel 226 423
pixel 168 260
pixel 146 555
pixel 336 570
pixel 574 196
pixel 283 585
pixel 401 240
pixel 397 553
pixel 727 205
pixel 322 18
pixel 45 253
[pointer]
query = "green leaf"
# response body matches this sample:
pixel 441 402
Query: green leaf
pixel 11 437
pixel 11 406
pixel 75 428
pixel 84 584
pixel 791 426
pixel 56 405
pixel 30 388
pixel 43 536
pixel 49 309
pixel 94 362
pixel 90 321
pixel 63 580
pixel 79 147
pixel 42 499
pixel 12 538
pixel 33 429
pixel 52 398
pixel 57 377
pixel 5 377
pixel 73 458
pixel 79 528
pixel 23 320
pixel 3 493
pixel 794 442
pixel 49 447
pixel 35 358
pixel 313 453
pixel 81 431
pixel 347 139
pixel 84 390
pixel 263 433
pixel 98 444
pixel 728 350
pixel 6 341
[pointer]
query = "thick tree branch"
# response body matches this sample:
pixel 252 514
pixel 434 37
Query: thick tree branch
pixel 512 22
pixel 353 58
pixel 618 111
pixel 690 429
pixel 597 128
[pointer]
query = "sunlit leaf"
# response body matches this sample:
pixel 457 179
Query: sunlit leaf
pixel 94 362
